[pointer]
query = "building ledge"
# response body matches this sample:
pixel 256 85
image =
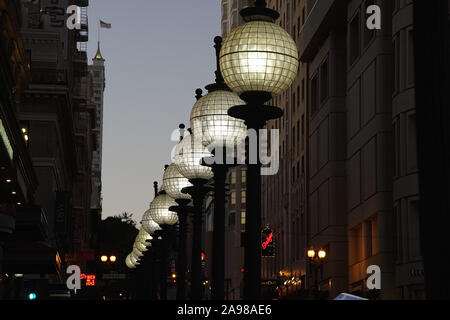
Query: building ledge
pixel 323 17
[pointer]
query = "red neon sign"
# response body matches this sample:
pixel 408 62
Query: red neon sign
pixel 90 279
pixel 269 239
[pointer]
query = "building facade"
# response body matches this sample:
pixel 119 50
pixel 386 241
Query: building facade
pixel 348 177
pixel 56 119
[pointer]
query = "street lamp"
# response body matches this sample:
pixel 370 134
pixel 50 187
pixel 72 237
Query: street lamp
pixel 316 260
pixel 149 228
pixel 173 183
pixel 129 263
pixel 188 156
pixel 218 131
pixel 259 61
pixel 160 213
pixel 141 240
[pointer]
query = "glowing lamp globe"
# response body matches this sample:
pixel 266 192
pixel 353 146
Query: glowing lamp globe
pixel 137 253
pixel 148 224
pixel 128 262
pixel 141 246
pixel 259 56
pixel 188 156
pixel 159 210
pixel 141 238
pixel 210 119
pixel 174 182
pixel 134 260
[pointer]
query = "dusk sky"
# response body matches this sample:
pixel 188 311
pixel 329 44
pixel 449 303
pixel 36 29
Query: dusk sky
pixel 157 53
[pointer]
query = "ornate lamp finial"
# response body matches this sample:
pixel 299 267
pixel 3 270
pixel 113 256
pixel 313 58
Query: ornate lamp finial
pixel 199 94
pixel 155 187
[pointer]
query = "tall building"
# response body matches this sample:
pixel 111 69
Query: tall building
pixel 57 120
pixel 348 174
pixel 97 72
pixel 230 14
pixel 18 181
pixel 348 178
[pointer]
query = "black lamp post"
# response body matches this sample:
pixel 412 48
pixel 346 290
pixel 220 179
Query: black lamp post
pixel 257 72
pixel 220 131
pixel 173 183
pixel 198 192
pixel 187 160
pixel 182 209
pixel 166 219
pixel 316 261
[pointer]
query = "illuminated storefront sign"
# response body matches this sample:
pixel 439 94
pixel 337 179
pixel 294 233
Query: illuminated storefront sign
pixel 90 279
pixel 267 243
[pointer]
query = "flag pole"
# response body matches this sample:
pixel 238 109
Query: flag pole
pixel 98 26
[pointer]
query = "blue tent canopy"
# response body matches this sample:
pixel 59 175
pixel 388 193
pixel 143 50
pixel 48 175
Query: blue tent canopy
pixel 347 296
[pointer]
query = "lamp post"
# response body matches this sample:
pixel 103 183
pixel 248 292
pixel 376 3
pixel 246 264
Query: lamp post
pixel 316 260
pixel 140 253
pixel 259 61
pixel 173 183
pixel 188 156
pixel 218 131
pixel 151 227
pixel 160 213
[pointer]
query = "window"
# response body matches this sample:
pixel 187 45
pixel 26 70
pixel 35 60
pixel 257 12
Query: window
pixel 414 230
pixel 303 16
pixel 411 69
pixel 234 19
pixel 324 81
pixel 243 176
pixel 243 197
pixel 232 219
pixel 243 213
pixel 314 95
pixel 303 90
pixel 303 132
pixel 354 39
pixel 233 197
pixel 369 239
pixel 411 144
pixel 233 177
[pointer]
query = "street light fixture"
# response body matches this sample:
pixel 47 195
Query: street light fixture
pixel 218 131
pixel 129 263
pixel 160 213
pixel 259 61
pixel 188 156
pixel 173 183
pixel 147 233
pixel 316 261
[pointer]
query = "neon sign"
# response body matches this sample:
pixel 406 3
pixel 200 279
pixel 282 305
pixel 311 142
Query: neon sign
pixel 267 243
pixel 90 279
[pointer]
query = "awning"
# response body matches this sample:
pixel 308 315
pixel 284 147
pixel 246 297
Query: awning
pixel 347 296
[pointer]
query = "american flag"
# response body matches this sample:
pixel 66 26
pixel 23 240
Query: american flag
pixel 105 25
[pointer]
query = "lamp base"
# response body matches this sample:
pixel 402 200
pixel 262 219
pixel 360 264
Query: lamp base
pixel 255 116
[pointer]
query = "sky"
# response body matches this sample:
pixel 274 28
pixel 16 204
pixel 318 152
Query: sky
pixel 157 53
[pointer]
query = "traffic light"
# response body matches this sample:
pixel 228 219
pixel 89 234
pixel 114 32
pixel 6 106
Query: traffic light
pixel 32 296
